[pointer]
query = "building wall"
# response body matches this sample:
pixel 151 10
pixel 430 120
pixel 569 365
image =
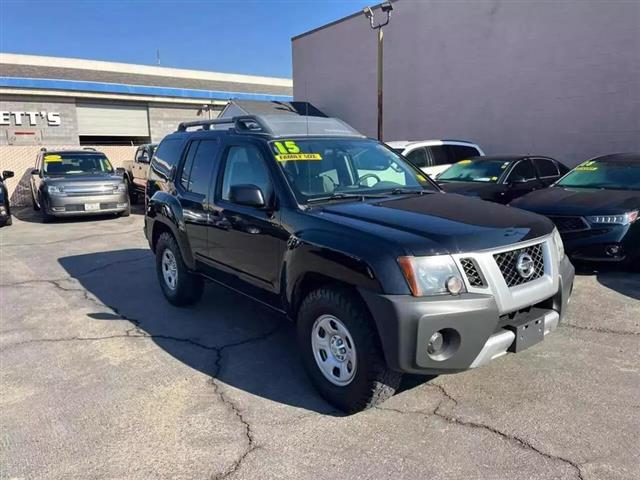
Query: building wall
pixel 557 78
pixel 164 119
pixel 65 133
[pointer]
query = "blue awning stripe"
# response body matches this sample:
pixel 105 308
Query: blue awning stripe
pixel 99 87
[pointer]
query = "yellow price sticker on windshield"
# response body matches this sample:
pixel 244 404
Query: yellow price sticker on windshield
pixel 586 169
pixel 493 179
pixel 288 157
pixel 287 146
pixel 421 178
pixel 52 158
pixel 465 161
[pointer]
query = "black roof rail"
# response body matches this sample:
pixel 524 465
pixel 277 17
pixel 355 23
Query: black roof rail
pixel 89 148
pixel 243 123
pixel 43 149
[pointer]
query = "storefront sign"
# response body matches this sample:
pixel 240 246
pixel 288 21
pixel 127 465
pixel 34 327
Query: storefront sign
pixel 31 119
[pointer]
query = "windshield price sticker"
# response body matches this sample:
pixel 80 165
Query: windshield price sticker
pixel 52 158
pixel 465 161
pixel 588 166
pixel 287 146
pixel 288 157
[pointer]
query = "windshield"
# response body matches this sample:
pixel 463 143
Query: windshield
pixel 475 171
pixel 75 164
pixel 317 168
pixel 602 174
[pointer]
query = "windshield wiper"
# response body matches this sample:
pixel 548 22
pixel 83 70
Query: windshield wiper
pixel 345 196
pixel 405 191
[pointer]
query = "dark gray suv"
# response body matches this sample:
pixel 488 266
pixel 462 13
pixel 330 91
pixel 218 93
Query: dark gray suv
pixel 77 182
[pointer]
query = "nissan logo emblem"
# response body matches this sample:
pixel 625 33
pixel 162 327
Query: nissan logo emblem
pixel 525 266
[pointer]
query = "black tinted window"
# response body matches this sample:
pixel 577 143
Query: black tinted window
pixel 439 155
pixel 523 171
pixel 245 166
pixel 200 176
pixel 167 157
pixel 188 163
pixel 546 168
pixel 418 157
pixel 461 152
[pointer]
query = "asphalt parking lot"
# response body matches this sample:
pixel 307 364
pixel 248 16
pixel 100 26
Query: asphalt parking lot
pixel 102 378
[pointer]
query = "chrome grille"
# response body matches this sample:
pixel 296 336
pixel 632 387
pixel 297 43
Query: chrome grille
pixel 570 224
pixel 472 272
pixel 507 262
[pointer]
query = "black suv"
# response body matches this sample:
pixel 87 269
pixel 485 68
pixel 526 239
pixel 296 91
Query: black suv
pixel 382 272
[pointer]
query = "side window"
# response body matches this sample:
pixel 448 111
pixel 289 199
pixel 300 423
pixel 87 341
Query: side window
pixel 188 164
pixel 546 168
pixel 418 157
pixel 461 152
pixel 201 166
pixel 439 155
pixel 167 157
pixel 245 165
pixel 523 171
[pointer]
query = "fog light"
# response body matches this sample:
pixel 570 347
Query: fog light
pixel 435 343
pixel 454 285
pixel 612 250
pixel 122 205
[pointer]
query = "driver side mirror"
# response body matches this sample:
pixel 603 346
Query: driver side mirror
pixel 35 171
pixel 248 195
pixel 7 174
pixel 120 171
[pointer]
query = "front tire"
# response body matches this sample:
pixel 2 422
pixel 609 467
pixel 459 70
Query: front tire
pixel 341 351
pixel 44 216
pixel 179 285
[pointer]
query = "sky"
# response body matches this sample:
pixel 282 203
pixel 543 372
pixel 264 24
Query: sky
pixel 241 36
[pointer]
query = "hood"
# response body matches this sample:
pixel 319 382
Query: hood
pixel 579 201
pixel 440 223
pixel 484 190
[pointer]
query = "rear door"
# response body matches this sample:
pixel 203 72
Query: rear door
pixel 193 185
pixel 521 180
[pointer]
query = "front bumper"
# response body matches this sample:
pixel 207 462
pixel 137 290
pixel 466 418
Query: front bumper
pixel 62 206
pixel 606 243
pixel 477 331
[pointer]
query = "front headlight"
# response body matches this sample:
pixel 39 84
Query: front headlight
pixel 557 239
pixel 120 188
pixel 622 219
pixel 55 190
pixel 432 275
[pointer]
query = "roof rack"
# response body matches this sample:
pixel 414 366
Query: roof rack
pixel 43 149
pixel 89 148
pixel 243 123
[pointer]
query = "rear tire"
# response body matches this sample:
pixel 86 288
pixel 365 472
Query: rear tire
pixel 179 285
pixel 350 334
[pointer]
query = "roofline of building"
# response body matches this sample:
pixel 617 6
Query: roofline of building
pixel 119 88
pixel 131 68
pixel 335 22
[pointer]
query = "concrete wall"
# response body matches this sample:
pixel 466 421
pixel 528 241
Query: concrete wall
pixel 66 133
pixel 164 119
pixel 557 78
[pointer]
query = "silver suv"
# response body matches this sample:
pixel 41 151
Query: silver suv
pixel 77 182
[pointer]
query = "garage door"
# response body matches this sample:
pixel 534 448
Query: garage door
pixel 112 120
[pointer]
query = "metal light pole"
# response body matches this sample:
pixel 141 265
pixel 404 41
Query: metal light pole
pixel 386 7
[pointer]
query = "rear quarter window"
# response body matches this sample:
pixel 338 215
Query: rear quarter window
pixel 167 157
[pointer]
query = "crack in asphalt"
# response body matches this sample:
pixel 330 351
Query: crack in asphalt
pixel 598 329
pixel 137 332
pixel 67 240
pixel 511 438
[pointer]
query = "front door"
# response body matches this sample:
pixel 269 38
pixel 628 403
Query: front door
pixel 521 180
pixel 246 244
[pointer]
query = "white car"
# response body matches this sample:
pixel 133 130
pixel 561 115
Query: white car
pixel 434 156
